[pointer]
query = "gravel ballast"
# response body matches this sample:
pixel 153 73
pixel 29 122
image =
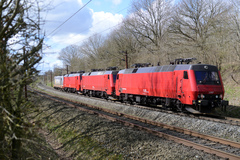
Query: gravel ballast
pixel 221 130
pixel 115 138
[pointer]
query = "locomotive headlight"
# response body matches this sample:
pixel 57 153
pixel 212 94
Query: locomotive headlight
pixel 221 96
pixel 202 96
pixel 216 96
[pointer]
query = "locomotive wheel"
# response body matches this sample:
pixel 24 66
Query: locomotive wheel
pixel 104 95
pixel 179 106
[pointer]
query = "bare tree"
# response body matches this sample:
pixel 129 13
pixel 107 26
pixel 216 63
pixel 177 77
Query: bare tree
pixel 236 29
pixel 198 25
pixel 19 48
pixel 58 71
pixel 159 31
pixel 91 49
pixel 121 45
pixel 149 24
pixel 71 57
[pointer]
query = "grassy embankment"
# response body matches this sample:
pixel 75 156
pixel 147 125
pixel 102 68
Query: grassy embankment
pixel 231 80
pixel 70 140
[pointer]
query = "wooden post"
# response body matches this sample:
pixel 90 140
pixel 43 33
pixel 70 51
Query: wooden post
pixel 126 59
pixel 51 78
pixel 46 78
pixel 24 63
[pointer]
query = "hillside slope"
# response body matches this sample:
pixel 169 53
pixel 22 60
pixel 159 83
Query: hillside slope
pixel 231 79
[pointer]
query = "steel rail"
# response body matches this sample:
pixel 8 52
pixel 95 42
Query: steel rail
pixel 173 128
pixel 224 120
pixel 160 134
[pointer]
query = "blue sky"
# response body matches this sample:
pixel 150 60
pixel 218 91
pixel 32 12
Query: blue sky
pixel 111 6
pixel 97 16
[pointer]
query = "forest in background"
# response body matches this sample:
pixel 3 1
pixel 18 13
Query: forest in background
pixel 154 32
pixel 159 31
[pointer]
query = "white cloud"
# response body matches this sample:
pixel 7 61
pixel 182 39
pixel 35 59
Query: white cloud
pixel 117 2
pixel 64 18
pixel 80 2
pixel 103 21
pixel 68 39
pixel 50 59
pixel 83 25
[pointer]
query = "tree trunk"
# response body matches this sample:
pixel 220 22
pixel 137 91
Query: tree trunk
pixel 2 135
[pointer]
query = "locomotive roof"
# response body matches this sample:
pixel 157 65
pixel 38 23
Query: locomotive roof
pixel 73 75
pixel 99 73
pixel 58 76
pixel 169 68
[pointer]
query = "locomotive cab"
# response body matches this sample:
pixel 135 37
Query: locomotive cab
pixel 208 86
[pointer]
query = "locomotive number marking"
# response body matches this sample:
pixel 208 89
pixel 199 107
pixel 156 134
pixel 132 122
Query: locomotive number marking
pixel 145 91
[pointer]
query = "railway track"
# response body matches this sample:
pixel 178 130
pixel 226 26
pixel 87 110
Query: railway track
pixel 208 117
pixel 213 145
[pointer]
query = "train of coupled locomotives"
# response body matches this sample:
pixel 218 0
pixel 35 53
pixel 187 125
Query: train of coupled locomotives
pixel 180 86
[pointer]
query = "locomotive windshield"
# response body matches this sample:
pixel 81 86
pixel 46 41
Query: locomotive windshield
pixel 207 77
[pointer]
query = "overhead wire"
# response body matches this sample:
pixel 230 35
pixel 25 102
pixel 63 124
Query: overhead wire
pixel 68 18
pixel 89 27
pixel 98 33
pixel 98 23
pixel 102 20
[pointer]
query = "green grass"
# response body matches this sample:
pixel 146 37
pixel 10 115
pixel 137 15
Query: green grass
pixel 232 95
pixel 79 145
pixel 84 146
pixel 75 142
pixel 230 112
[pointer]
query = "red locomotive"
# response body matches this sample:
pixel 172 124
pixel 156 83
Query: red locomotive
pixel 178 87
pixel 72 82
pixel 99 83
pixel 69 82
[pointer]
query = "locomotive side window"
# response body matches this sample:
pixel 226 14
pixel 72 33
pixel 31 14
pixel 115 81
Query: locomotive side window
pixel 185 75
pixel 108 76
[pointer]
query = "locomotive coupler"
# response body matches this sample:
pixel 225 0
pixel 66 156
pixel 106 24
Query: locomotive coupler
pixel 203 102
pixel 224 104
